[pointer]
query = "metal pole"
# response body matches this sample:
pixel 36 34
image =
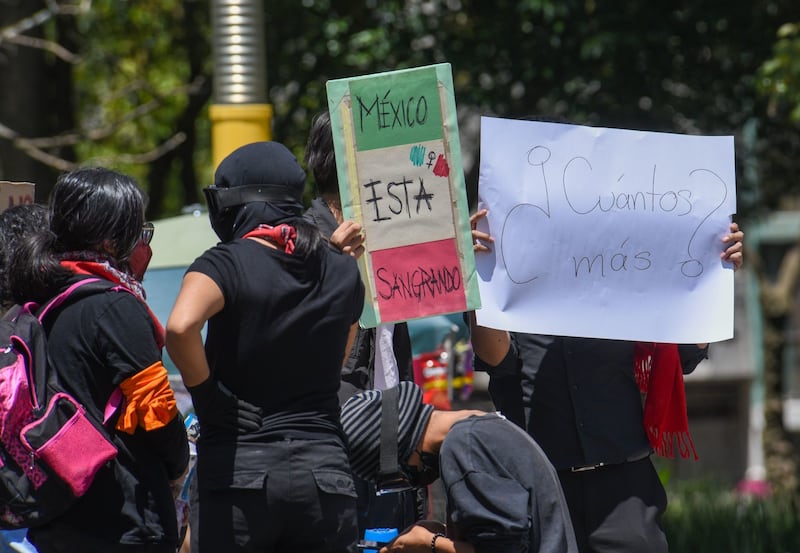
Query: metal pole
pixel 239 113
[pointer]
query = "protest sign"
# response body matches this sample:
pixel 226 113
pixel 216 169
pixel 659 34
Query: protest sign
pixel 15 193
pixel 606 233
pixel 398 158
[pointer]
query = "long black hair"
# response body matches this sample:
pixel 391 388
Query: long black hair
pixel 91 209
pixel 16 224
pixel 320 157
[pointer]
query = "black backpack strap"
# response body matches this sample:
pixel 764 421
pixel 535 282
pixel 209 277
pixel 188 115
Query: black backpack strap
pixel 389 426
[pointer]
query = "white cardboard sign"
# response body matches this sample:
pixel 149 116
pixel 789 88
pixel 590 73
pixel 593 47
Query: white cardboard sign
pixel 606 233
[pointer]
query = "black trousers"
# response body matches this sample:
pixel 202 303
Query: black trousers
pixel 67 540
pixel 617 508
pixel 301 497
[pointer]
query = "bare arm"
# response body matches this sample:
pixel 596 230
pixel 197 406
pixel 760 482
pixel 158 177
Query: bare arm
pixel 198 300
pixel 489 344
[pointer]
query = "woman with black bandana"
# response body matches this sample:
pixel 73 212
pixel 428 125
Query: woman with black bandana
pixel 273 473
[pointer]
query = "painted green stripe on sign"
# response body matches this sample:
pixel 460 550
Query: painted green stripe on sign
pixel 395 109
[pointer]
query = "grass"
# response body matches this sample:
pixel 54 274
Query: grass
pixel 704 517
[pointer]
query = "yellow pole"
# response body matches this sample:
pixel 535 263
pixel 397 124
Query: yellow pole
pixel 239 111
pixel 234 125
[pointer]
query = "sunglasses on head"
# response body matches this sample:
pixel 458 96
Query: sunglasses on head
pixel 147 233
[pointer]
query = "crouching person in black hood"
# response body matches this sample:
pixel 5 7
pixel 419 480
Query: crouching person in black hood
pixel 502 492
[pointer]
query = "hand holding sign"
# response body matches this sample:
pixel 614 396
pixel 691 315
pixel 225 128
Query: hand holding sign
pixel 349 239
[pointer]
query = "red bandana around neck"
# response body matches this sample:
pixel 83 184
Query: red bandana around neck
pixel 283 235
pixel 104 269
pixel 658 372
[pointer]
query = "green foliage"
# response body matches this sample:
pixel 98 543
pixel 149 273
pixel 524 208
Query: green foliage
pixel 133 82
pixel 706 67
pixel 780 75
pixel 688 68
pixel 120 71
pixel 703 517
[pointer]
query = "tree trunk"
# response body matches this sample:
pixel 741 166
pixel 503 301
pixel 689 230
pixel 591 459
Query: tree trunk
pixel 25 103
pixel 777 298
pixel 196 15
pixel 779 451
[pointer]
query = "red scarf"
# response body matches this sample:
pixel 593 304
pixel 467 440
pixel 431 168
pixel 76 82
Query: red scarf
pixel 658 372
pixel 283 235
pixel 104 269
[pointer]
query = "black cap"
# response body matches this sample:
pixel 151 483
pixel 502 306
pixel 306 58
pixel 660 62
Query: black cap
pixel 262 163
pixel 257 183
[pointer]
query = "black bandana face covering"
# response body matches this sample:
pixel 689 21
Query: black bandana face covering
pixel 234 222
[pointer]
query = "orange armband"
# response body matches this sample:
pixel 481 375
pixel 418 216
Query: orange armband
pixel 149 400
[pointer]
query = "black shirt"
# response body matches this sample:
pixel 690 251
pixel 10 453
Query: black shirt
pixel 279 341
pixel 579 395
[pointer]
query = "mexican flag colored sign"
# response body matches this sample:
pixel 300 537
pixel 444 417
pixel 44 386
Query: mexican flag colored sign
pixel 398 157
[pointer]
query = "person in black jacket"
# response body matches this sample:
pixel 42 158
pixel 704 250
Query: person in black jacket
pixel 379 358
pixel 101 343
pixel 502 492
pixel 579 399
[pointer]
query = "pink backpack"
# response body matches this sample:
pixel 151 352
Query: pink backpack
pixel 50 447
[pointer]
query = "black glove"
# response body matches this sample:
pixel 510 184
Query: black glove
pixel 217 408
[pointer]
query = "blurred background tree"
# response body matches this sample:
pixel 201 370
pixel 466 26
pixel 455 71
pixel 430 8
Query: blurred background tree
pixel 127 84
pixel 779 82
